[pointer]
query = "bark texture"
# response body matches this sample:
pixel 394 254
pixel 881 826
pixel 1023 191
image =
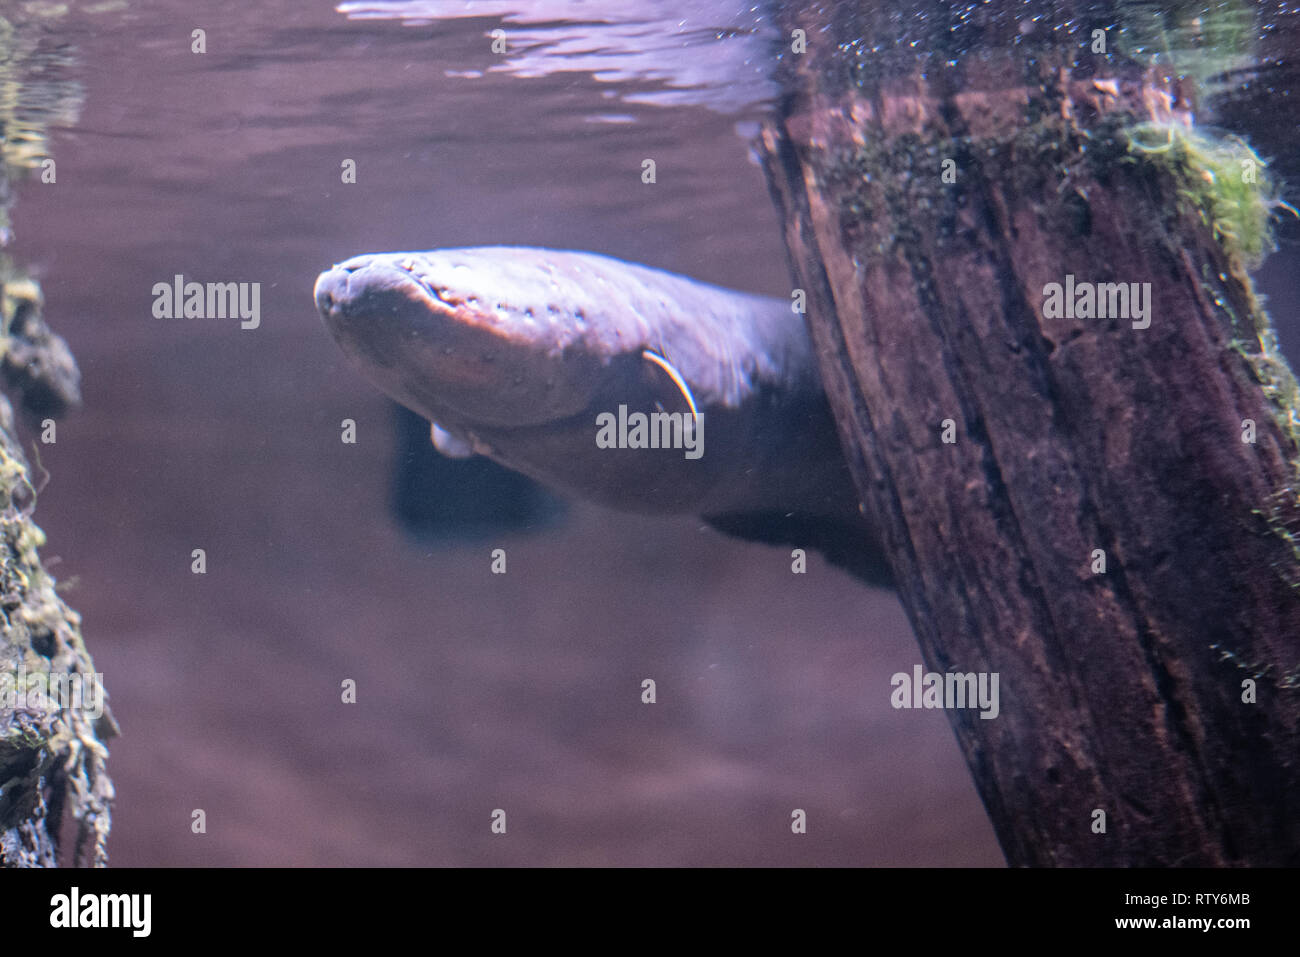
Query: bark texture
pixel 1127 690
pixel 55 792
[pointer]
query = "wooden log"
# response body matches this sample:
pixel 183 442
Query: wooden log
pixel 55 792
pixel 938 168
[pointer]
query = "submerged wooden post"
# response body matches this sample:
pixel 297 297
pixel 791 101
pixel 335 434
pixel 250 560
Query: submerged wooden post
pixel 1094 498
pixel 55 792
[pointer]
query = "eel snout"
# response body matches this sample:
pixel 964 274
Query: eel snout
pixel 449 355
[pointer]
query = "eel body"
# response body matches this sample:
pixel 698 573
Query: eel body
pixel 515 352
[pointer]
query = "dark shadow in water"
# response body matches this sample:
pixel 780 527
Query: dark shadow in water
pixel 440 499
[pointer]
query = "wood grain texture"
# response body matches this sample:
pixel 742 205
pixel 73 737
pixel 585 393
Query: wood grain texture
pixel 1121 691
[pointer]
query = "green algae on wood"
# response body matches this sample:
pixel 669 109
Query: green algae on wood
pixel 48 746
pixel 1239 201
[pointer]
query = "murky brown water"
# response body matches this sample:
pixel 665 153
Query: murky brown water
pixel 475 691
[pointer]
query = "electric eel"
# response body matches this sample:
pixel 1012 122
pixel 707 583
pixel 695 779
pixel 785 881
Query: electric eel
pixel 521 354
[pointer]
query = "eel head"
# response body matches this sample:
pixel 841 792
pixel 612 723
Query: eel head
pixel 455 350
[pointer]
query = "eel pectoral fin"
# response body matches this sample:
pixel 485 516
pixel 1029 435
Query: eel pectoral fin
pixel 448 444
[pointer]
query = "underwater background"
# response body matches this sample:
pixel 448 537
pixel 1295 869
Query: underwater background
pixel 475 691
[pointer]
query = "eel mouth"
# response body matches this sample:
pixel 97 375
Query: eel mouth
pixel 339 300
pixel 447 355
